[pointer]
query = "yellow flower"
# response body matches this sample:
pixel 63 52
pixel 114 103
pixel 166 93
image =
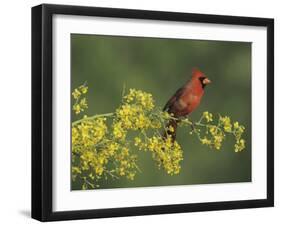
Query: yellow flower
pixel 80 106
pixel 75 135
pixel 213 130
pixel 83 89
pixel 99 170
pixel 76 108
pixel 166 115
pixel 122 171
pixel 208 116
pixel 226 123
pixel 118 131
pixel 218 141
pixel 76 170
pixel 131 176
pixel 155 124
pixel 125 151
pixel 238 131
pixel 137 141
pixel 167 153
pixel 240 145
pixel 112 147
pixel 206 141
pixel 76 94
pixel 171 129
pixel 99 128
pixel 83 103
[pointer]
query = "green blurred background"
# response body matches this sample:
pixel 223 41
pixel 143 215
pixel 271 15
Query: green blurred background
pixel 161 66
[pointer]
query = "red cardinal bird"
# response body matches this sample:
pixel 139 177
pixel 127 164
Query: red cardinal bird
pixel 185 100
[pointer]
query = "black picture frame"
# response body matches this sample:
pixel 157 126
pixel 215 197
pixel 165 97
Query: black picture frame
pixel 42 84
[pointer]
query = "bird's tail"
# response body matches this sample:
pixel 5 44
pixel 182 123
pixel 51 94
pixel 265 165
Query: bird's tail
pixel 171 129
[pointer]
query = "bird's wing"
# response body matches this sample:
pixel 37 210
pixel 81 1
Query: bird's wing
pixel 172 100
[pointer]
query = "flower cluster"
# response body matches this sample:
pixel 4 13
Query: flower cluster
pixel 101 149
pixel 208 116
pixel 89 132
pixel 105 146
pixel 141 98
pixel 215 133
pixel 80 102
pixel 93 151
pixel 238 131
pixel 168 154
pixel 135 112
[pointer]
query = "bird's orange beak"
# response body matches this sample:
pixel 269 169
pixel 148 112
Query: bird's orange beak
pixel 206 81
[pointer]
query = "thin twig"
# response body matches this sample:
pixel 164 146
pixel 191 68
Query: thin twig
pixel 92 117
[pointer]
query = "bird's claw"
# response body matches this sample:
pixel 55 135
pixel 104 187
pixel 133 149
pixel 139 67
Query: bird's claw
pixel 192 126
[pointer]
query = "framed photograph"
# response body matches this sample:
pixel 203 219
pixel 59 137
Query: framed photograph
pixel 145 112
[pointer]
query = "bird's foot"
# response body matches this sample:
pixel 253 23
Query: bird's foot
pixel 192 126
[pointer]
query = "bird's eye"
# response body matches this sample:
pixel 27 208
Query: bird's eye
pixel 202 78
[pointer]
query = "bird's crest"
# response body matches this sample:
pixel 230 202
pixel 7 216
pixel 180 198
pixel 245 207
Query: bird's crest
pixel 196 73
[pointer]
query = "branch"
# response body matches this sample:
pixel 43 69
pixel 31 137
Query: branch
pixel 91 118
